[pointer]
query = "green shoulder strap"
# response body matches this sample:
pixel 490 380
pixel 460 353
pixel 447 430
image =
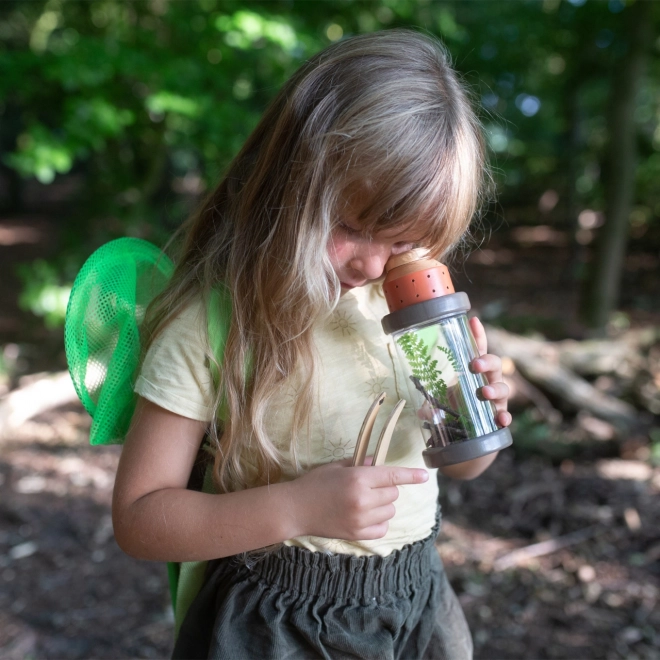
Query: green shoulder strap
pixel 106 308
pixel 219 317
pixel 186 578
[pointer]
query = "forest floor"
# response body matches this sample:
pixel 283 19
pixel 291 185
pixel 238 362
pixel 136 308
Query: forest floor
pixel 592 517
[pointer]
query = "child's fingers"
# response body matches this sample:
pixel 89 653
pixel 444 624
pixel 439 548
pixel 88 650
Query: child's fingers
pixel 495 392
pixel 503 418
pixel 383 496
pixel 378 515
pixel 383 476
pixel 374 532
pixel 479 334
pixel 489 365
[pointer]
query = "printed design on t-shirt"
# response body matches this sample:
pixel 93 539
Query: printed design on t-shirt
pixel 290 394
pixel 375 385
pixel 378 379
pixel 329 545
pixel 343 323
pixel 337 450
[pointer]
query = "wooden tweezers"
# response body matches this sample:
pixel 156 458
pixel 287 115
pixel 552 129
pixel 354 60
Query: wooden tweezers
pixel 385 435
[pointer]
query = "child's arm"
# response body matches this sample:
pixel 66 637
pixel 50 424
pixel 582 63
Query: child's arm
pixel 156 518
pixel 496 391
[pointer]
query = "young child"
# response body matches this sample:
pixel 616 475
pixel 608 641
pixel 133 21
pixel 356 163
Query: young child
pixel 371 148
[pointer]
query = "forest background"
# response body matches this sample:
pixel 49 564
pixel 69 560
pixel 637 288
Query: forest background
pixel 116 116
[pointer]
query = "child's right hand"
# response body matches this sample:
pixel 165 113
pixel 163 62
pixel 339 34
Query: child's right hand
pixel 351 503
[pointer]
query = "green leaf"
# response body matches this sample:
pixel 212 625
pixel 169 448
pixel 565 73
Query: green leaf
pixel 43 294
pixel 164 101
pixel 41 154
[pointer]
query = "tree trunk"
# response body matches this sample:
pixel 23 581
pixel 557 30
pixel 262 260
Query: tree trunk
pixel 572 140
pixel 607 266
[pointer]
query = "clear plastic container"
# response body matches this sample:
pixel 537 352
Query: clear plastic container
pixel 435 344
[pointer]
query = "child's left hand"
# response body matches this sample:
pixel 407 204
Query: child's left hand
pixel 491 366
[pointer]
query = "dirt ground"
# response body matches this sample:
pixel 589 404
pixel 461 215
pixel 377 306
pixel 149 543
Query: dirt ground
pixel 69 592
pixel 591 515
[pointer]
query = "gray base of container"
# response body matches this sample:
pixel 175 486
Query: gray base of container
pixel 468 449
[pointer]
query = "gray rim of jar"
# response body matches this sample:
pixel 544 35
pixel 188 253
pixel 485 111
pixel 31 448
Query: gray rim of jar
pixel 426 312
pixel 467 450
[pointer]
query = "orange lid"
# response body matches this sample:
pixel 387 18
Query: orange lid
pixel 414 277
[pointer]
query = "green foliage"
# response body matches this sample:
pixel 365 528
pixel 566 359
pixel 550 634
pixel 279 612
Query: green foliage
pixel 532 436
pixel 196 75
pixel 163 102
pixel 43 294
pixel 423 366
pixel 41 154
pixel 147 102
pixel 245 28
pixel 654 435
pixel 451 357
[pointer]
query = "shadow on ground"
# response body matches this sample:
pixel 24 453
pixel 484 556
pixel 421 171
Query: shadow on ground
pixel 69 592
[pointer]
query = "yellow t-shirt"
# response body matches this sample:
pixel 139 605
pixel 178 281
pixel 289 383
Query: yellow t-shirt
pixel 357 362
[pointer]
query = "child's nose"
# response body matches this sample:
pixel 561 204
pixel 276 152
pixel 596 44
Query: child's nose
pixel 371 261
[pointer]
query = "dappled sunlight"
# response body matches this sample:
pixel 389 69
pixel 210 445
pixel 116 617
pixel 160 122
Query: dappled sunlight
pixel 94 375
pixel 39 393
pixel 620 469
pixel 489 257
pixel 561 559
pixel 540 234
pixel 60 565
pixel 18 234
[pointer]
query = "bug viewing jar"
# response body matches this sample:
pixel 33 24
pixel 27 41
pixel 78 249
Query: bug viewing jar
pixel 430 328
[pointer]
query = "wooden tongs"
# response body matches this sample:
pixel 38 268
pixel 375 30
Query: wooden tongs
pixel 385 435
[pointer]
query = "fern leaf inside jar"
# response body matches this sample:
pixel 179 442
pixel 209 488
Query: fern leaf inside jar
pixel 429 325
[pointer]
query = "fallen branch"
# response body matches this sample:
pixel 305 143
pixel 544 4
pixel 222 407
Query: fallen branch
pixel 43 392
pixel 534 395
pixel 433 402
pixel 602 356
pixel 521 555
pixel 534 361
pixel 591 357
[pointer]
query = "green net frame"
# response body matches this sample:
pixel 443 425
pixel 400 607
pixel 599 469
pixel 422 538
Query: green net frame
pixel 107 305
pixel 106 308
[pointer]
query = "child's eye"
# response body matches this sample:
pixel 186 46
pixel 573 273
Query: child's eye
pixel 348 229
pixel 399 248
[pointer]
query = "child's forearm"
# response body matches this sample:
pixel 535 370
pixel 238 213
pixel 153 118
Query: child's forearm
pixel 175 524
pixel 469 469
pixel 155 517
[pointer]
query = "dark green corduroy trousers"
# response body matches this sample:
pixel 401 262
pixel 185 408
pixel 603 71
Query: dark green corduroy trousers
pixel 296 604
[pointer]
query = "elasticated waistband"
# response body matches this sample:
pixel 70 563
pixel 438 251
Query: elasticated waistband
pixel 347 577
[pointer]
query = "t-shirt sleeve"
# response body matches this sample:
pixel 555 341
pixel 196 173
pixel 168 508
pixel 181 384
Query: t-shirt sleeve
pixel 175 373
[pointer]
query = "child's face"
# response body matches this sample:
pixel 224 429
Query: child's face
pixel 358 259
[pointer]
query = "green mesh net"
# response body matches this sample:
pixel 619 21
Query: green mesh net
pixel 102 330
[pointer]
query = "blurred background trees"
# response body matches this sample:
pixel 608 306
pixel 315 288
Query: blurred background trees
pixel 139 106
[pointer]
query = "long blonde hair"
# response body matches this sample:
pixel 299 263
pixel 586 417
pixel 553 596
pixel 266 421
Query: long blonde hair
pixel 382 113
